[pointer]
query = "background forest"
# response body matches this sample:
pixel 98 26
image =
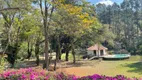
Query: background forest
pixel 125 21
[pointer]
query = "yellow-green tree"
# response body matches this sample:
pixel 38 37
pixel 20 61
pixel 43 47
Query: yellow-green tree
pixel 73 21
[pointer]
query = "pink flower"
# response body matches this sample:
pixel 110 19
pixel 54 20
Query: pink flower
pixel 32 77
pixel 46 78
pixel 23 76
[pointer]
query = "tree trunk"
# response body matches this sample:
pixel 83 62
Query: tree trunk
pixel 37 59
pixel 46 51
pixel 67 52
pixel 67 55
pixel 46 16
pixel 37 53
pixel 57 58
pixel 12 55
pixel 46 35
pixel 29 51
pixel 58 49
pixel 98 50
pixel 60 56
pixel 73 52
pixel 55 63
pixel 58 52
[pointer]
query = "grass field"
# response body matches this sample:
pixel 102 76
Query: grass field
pixel 131 67
pixel 109 68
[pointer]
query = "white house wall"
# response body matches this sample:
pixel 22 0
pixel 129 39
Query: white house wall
pixel 104 51
pixel 90 52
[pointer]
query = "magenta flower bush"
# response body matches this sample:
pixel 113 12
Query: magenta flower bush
pixel 40 74
pixel 101 77
pixel 24 74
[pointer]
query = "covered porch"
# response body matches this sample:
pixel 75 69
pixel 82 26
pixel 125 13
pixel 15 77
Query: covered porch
pixel 97 50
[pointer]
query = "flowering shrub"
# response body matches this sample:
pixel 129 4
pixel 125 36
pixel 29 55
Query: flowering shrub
pixel 24 74
pixel 39 74
pixel 99 77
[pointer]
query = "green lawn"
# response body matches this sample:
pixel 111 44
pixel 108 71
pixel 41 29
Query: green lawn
pixel 130 67
pixel 135 58
pixel 127 68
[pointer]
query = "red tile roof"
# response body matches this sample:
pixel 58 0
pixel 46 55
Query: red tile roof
pixel 97 47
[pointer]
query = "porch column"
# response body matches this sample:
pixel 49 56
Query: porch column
pixel 98 52
pixel 104 52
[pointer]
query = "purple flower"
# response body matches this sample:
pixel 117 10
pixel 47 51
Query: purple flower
pixel 32 77
pixel 39 74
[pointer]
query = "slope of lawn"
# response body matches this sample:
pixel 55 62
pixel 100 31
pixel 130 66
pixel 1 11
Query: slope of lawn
pixel 131 67
pixel 110 68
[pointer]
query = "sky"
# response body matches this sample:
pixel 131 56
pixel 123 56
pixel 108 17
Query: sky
pixel 105 1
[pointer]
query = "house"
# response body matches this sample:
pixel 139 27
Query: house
pixel 97 50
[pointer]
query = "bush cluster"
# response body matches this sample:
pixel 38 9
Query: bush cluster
pixel 40 74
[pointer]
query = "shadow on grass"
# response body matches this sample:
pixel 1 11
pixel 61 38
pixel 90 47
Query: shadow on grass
pixel 136 67
pixel 29 64
pixel 71 64
pixel 80 64
pixel 60 64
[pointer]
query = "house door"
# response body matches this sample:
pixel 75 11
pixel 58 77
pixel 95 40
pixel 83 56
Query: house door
pixel 102 52
pixel 95 53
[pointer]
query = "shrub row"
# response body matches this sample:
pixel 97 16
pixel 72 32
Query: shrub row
pixel 40 74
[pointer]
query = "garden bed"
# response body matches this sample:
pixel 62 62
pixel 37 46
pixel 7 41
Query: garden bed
pixel 40 74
